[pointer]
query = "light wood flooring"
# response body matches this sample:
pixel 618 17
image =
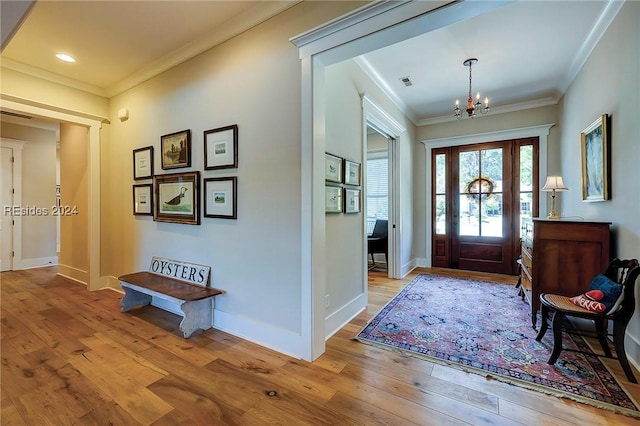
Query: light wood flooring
pixel 69 357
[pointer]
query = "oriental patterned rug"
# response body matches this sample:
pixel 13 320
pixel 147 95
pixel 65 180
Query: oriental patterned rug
pixel 485 328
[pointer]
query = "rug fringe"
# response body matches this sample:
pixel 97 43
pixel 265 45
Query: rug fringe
pixel 630 412
pixel 510 381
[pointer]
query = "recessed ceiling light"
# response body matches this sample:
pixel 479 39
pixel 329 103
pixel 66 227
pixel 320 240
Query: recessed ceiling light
pixel 64 57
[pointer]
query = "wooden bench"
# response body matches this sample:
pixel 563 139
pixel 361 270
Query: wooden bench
pixel 184 286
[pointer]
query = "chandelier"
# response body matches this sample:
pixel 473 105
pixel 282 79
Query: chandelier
pixel 472 108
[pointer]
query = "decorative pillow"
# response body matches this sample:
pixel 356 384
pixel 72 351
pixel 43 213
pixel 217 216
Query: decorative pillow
pixel 590 301
pixel 612 291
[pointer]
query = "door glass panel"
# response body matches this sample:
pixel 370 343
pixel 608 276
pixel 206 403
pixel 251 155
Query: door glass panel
pixel 480 174
pixel 526 182
pixel 468 216
pixel 441 217
pixel 441 171
pixel 492 216
pixel 440 194
pixel 491 199
pixel 469 168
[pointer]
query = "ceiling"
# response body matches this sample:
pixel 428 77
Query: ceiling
pixel 528 51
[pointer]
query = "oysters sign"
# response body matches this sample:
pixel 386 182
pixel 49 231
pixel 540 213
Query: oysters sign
pixel 184 271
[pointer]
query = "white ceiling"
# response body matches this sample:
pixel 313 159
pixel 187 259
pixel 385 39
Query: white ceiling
pixel 528 51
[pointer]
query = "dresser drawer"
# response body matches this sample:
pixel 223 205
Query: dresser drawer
pixel 526 262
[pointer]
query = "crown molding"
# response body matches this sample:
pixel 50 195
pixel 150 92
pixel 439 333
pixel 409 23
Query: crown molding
pixel 536 103
pixel 52 77
pixel 388 91
pixel 229 29
pixel 597 31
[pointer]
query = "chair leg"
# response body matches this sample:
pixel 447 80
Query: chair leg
pixel 558 318
pixel 601 330
pixel 618 340
pixel 544 313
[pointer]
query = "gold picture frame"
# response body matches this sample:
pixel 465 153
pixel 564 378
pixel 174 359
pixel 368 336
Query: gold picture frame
pixel 595 143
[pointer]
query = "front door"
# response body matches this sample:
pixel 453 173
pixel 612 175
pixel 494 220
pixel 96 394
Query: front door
pixel 481 192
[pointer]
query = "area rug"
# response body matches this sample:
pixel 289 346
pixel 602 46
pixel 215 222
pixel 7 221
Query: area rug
pixel 485 328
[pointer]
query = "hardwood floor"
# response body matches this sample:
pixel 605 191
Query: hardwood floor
pixel 69 357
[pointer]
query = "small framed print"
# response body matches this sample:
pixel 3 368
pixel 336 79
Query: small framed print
pixel 333 199
pixel 332 168
pixel 220 197
pixel 176 150
pixel 143 163
pixel 351 173
pixel 177 197
pixel 351 200
pixel 143 200
pixel 221 148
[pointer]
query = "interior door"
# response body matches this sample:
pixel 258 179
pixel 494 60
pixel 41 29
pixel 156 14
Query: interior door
pixel 6 223
pixel 480 193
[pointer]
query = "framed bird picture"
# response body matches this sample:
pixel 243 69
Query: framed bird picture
pixel 177 198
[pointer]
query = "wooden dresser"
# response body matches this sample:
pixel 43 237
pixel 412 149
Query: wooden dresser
pixel 562 257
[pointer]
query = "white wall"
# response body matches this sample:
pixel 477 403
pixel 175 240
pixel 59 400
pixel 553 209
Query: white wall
pixel 253 81
pixel 346 253
pixel 609 83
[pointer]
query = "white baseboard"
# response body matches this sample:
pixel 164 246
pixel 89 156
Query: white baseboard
pixel 37 262
pixel 277 339
pixel 407 268
pixel 73 274
pixel 342 316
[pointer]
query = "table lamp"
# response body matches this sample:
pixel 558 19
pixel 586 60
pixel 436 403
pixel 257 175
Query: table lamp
pixel 553 184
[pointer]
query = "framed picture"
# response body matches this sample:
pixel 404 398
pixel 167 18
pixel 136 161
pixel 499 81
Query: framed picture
pixel 143 163
pixel 352 200
pixel 176 150
pixel 333 199
pixel 143 200
pixel 177 198
pixel 220 197
pixel 595 160
pixel 221 148
pixel 332 168
pixel 351 173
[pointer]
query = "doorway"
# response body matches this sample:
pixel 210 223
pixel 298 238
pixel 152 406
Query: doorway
pixel 480 194
pixel 377 200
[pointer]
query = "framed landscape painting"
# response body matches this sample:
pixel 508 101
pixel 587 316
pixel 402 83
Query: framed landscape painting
pixel 175 150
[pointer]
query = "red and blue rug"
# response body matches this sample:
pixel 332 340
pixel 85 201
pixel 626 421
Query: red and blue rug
pixel 485 328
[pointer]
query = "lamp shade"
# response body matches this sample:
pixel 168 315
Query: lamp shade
pixel 554 183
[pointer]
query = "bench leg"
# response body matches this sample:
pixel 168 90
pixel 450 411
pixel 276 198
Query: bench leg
pixel 198 315
pixel 133 298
